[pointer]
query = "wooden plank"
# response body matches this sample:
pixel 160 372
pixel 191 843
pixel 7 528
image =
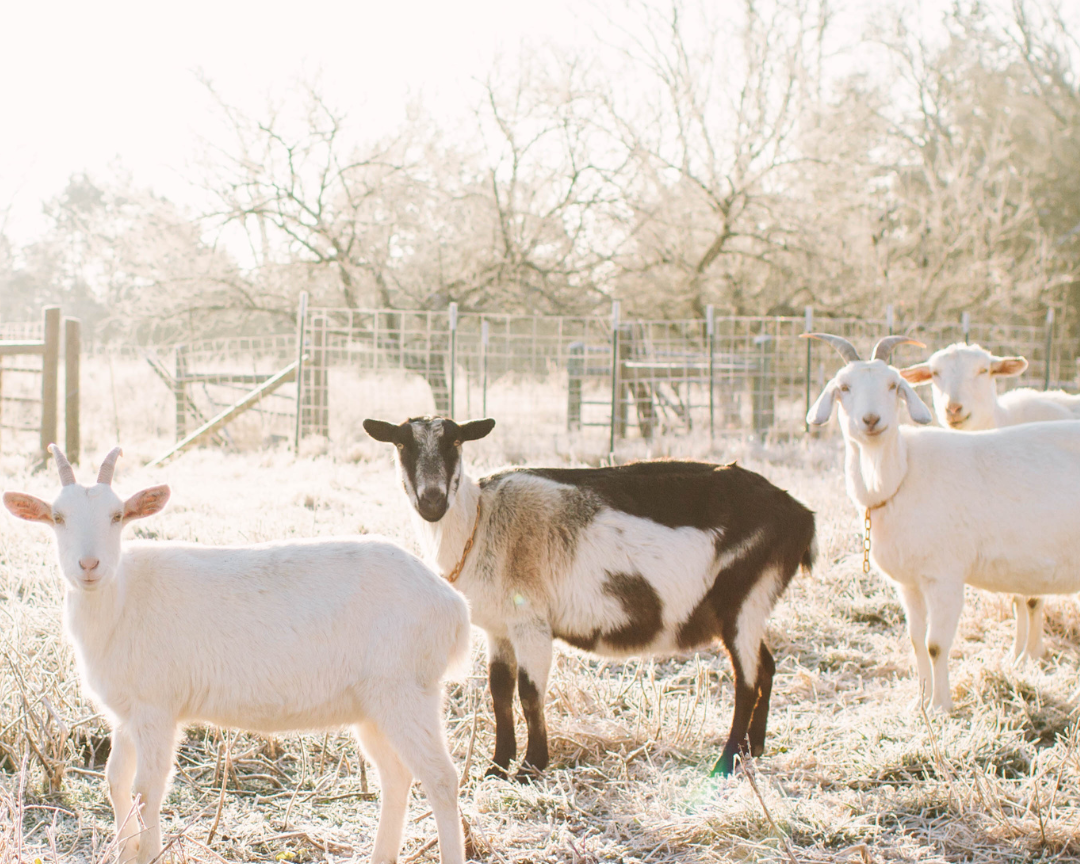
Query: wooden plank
pixel 253 398
pixel 170 382
pixel 26 346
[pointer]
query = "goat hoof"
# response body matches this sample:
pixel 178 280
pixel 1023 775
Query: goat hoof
pixel 496 772
pixel 724 766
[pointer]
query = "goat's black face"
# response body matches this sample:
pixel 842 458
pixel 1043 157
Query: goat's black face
pixel 429 457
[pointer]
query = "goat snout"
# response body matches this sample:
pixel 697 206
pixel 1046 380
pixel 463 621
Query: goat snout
pixel 89 564
pixel 431 504
pixel 870 421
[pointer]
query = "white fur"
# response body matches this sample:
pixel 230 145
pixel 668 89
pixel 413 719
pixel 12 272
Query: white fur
pixel 993 509
pixel 275 637
pixel 963 381
pixel 752 620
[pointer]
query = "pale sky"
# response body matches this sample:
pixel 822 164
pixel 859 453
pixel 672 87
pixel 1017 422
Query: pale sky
pixel 85 83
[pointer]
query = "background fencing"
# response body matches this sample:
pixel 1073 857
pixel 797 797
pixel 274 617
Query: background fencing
pixel 598 376
pixel 548 380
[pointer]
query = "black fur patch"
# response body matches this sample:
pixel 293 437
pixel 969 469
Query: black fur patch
pixel 644 613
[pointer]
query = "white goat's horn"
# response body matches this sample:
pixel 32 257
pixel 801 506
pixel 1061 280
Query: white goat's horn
pixel 67 476
pixel 883 350
pixel 107 466
pixel 846 349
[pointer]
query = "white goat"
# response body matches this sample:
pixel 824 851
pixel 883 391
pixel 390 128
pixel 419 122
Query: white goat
pixel 274 637
pixel 963 379
pixel 994 509
pixel 965 394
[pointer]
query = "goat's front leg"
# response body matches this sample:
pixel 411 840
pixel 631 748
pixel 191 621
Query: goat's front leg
pixel 945 602
pixel 155 745
pixel 120 772
pixel 502 672
pixel 914 604
pixel 532 644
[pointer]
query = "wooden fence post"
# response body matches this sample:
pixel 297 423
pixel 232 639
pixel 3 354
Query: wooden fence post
pixel 180 391
pixel 50 368
pixel 301 316
pixel 72 347
pixel 315 395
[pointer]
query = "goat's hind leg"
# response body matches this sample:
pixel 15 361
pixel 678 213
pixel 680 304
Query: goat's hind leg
pixel 760 716
pixel 394 782
pixel 746 697
pixel 413 728
pixel 1029 628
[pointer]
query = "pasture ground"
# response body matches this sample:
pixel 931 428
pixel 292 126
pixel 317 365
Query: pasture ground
pixel 852 773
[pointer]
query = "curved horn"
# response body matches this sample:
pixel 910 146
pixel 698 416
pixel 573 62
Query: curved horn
pixel 107 466
pixel 846 349
pixel 883 350
pixel 67 476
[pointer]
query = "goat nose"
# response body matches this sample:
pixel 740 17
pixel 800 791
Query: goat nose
pixel 953 409
pixel 88 563
pixel 871 420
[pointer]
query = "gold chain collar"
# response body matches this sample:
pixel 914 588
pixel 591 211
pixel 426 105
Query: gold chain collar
pixel 452 576
pixel 866 537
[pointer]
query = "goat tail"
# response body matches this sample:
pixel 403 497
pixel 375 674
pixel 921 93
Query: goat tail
pixel 809 554
pixel 459 651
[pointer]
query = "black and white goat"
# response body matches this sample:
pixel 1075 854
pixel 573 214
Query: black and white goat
pixel 646 558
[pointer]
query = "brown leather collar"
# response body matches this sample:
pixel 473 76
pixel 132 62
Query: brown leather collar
pixel 453 575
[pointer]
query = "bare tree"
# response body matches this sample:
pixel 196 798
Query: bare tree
pixel 711 124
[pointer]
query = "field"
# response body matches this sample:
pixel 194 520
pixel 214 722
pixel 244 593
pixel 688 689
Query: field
pixel 852 772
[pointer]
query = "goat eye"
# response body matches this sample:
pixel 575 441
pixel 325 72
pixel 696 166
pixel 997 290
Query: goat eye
pixel 892 386
pixel 400 446
pixel 457 443
pixel 844 388
pixel 57 519
pixel 983 371
pixel 117 517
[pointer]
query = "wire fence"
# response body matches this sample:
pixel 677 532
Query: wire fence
pixel 626 378
pixel 596 377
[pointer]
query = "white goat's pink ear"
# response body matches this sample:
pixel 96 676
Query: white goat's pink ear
pixel 1007 367
pixel 28 507
pixel 146 503
pixel 917 374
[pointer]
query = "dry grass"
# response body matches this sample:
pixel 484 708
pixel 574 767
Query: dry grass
pixel 851 774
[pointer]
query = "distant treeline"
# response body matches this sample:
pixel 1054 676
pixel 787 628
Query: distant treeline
pixel 757 163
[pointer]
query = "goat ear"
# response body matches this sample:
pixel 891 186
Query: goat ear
pixel 476 429
pixel 915 406
pixel 28 507
pixel 380 430
pixel 918 374
pixel 146 503
pixel 821 411
pixel 1007 367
